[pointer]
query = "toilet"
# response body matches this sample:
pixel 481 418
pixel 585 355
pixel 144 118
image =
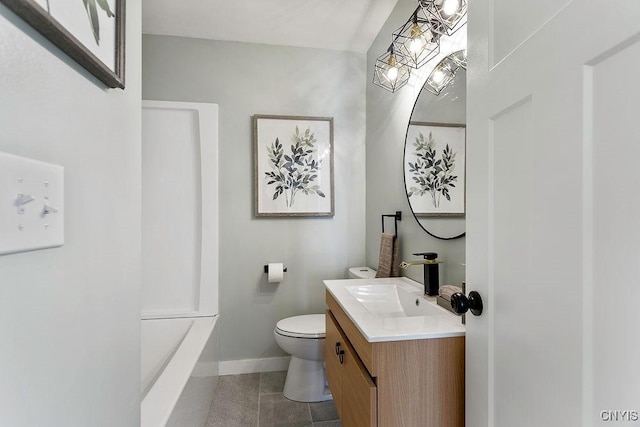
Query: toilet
pixel 303 337
pixel 361 273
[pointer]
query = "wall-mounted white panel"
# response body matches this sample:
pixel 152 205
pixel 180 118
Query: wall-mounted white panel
pixel 170 210
pixel 31 204
pixel 179 209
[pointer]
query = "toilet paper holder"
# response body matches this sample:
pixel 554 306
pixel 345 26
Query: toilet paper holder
pixel 266 269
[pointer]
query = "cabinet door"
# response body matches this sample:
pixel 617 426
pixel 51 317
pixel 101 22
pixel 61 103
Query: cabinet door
pixel 359 393
pixel 334 340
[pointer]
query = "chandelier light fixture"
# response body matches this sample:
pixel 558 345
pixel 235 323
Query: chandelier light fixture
pixel 419 42
pixel 416 41
pixel 451 15
pixel 444 73
pixel 390 71
pixel 460 58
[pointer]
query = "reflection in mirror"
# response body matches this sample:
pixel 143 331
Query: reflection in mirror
pixel 434 159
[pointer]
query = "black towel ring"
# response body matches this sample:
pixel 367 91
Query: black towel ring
pixel 396 217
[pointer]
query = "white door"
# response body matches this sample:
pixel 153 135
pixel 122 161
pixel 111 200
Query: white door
pixel 553 222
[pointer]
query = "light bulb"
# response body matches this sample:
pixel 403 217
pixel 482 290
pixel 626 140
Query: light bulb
pixel 416 42
pixel 415 45
pixel 438 76
pixel 392 73
pixel 449 7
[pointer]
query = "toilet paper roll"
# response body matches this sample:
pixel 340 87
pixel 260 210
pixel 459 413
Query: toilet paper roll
pixel 276 272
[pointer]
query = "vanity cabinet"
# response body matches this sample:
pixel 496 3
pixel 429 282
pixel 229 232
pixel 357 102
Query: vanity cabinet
pixel 354 392
pixel 407 383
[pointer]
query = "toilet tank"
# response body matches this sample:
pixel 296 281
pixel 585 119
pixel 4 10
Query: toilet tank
pixel 361 273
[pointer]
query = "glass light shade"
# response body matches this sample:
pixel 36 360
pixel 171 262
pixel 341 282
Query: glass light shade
pixel 460 58
pixel 390 71
pixel 442 75
pixel 451 15
pixel 416 41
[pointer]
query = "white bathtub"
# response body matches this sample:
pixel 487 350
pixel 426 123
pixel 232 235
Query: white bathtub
pixel 179 370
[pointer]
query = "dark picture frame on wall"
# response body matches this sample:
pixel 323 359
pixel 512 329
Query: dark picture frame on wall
pixel 91 32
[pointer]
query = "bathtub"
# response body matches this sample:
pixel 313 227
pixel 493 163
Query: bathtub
pixel 179 370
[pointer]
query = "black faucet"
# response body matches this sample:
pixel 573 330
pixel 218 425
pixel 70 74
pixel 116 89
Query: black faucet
pixel 431 273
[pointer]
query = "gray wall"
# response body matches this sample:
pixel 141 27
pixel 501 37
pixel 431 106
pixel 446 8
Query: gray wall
pixel 387 118
pixel 69 317
pixel 246 79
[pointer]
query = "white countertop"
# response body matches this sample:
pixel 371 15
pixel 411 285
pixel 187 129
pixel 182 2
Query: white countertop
pixel 379 327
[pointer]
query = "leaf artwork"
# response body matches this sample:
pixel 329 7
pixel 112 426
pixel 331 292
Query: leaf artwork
pixel 92 12
pixel 296 171
pixel 432 175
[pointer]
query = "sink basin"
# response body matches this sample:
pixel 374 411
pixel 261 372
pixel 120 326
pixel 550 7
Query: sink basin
pixel 393 309
pixel 394 300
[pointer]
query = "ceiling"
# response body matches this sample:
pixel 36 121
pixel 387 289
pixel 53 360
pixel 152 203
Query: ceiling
pixel 349 25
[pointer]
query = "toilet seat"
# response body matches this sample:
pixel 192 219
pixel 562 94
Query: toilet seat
pixel 307 326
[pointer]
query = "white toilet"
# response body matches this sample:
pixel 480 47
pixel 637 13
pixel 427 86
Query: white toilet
pixel 361 273
pixel 303 337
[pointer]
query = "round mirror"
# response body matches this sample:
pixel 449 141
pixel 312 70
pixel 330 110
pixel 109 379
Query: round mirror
pixel 434 158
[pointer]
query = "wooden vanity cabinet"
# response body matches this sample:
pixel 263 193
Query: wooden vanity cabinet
pixel 333 341
pixel 410 383
pixel 354 392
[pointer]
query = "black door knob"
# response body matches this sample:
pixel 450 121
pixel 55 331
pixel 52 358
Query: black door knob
pixel 460 303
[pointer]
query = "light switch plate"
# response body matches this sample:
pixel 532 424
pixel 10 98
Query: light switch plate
pixel 31 204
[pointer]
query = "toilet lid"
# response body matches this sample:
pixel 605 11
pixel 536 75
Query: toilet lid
pixel 307 326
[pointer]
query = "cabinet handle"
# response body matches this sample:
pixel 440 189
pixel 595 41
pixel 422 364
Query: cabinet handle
pixel 341 357
pixel 337 347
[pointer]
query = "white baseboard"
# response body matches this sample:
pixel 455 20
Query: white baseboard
pixel 250 366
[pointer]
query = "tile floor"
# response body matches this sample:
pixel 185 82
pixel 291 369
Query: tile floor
pixel 256 400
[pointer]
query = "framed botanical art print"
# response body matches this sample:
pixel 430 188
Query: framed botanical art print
pixel 91 32
pixel 434 168
pixel 293 166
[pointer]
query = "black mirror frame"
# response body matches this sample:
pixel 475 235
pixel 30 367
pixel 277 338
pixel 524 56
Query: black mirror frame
pixel 404 181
